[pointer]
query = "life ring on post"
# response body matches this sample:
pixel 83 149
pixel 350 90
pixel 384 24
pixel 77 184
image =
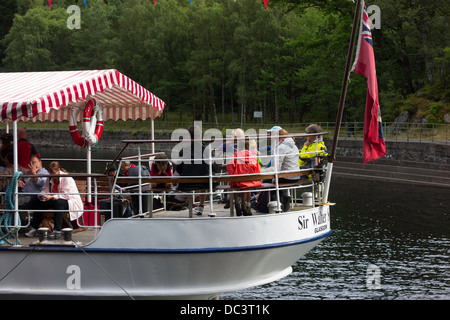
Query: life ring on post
pixel 92 124
pixel 73 129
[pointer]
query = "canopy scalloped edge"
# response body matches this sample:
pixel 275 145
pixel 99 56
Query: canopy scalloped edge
pixel 46 96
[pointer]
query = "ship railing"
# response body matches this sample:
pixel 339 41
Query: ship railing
pixel 90 215
pixel 220 188
pixel 143 182
pixel 100 190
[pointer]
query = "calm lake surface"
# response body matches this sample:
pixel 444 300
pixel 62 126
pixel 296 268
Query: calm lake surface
pixel 402 232
pixel 389 241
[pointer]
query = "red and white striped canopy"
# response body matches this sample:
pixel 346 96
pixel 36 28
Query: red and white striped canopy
pixel 41 96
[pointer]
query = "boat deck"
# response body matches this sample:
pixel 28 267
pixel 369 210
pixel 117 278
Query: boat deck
pixel 83 236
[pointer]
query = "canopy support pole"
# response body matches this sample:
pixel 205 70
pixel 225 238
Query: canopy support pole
pixel 275 140
pixel 89 171
pixel 153 133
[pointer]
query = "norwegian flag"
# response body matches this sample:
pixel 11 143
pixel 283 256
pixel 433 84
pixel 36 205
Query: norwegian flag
pixel 374 145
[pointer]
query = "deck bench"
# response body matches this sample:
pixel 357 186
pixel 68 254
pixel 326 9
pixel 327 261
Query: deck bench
pixel 102 185
pixel 215 179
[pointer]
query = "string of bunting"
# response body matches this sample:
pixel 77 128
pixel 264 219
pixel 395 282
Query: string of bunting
pixel 154 1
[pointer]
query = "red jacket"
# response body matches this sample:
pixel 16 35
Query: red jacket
pixel 154 170
pixel 23 153
pixel 248 164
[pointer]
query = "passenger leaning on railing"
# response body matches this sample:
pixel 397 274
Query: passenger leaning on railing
pixel 60 194
pixel 161 167
pixel 312 151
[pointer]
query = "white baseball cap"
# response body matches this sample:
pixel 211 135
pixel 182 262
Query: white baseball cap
pixel 275 128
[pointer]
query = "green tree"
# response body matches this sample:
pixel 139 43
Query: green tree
pixel 94 45
pixel 38 40
pixel 221 56
pixel 8 8
pixel 204 63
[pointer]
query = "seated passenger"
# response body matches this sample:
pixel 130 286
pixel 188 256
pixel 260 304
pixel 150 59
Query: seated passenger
pixel 112 171
pixel 161 167
pixel 32 186
pixel 244 162
pixel 9 165
pixel 228 149
pixel 24 149
pixel 130 170
pixel 267 151
pixel 287 160
pixel 7 147
pixel 287 157
pixel 60 194
pixel 253 149
pixel 313 149
pixel 189 167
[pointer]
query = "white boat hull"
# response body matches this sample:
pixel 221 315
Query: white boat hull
pixel 166 258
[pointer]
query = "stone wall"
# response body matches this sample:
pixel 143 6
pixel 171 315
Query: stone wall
pixel 425 151
pixel 396 150
pixel 60 138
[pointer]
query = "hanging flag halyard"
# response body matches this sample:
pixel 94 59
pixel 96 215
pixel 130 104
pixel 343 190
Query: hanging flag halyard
pixel 374 144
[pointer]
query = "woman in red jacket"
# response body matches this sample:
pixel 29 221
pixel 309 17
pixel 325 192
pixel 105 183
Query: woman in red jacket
pixel 244 162
pixel 161 167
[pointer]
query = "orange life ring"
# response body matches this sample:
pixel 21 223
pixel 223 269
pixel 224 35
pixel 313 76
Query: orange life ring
pixel 92 124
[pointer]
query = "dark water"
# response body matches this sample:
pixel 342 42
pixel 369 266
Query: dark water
pixel 402 232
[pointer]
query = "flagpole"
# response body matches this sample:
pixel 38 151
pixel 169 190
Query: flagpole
pixel 351 46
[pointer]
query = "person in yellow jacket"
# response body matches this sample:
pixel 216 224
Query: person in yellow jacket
pixel 313 148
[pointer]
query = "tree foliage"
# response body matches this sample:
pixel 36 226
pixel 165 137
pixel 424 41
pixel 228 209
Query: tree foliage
pixel 221 60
